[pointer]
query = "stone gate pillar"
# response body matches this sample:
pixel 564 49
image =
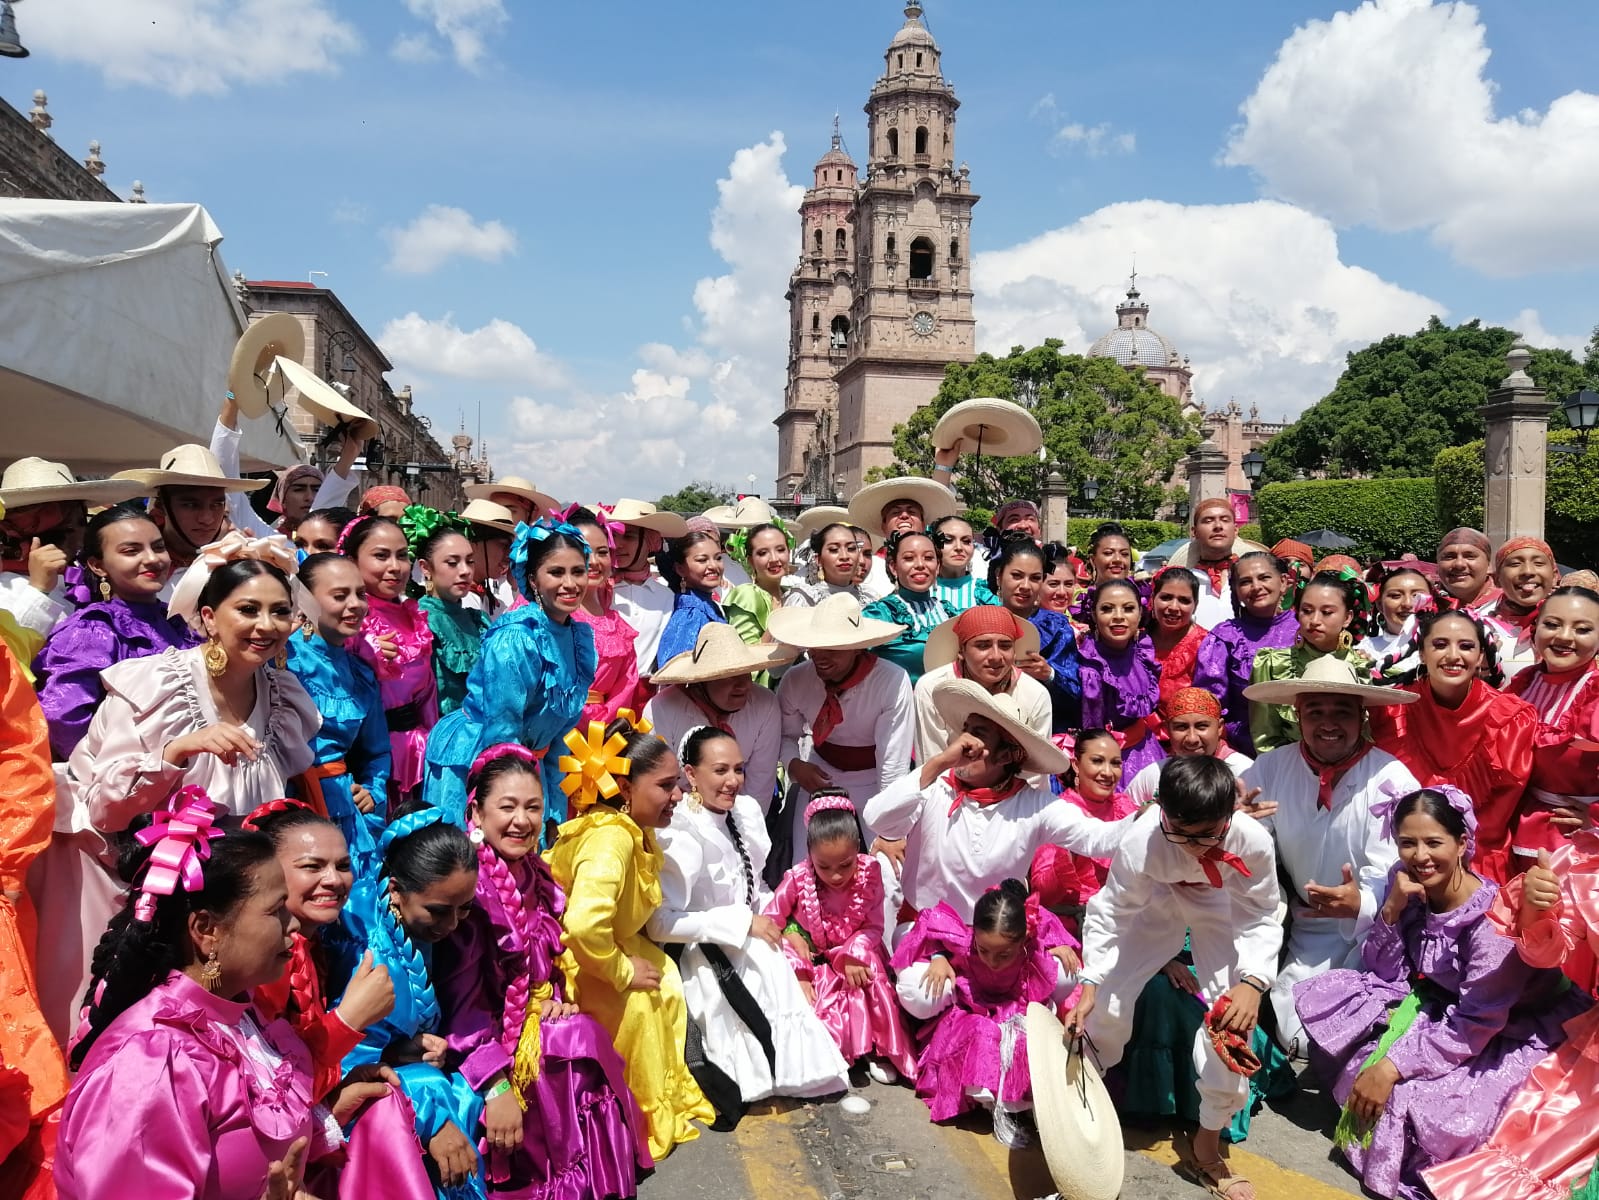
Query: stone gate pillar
pixel 1517 420
pixel 1056 509
pixel 1207 474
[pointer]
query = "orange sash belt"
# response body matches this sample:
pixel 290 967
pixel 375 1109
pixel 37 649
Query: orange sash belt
pixel 309 784
pixel 594 697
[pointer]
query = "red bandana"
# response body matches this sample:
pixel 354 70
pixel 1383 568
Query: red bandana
pixel 1209 859
pixel 982 797
pixel 831 715
pixel 1217 571
pixel 714 717
pixel 1328 774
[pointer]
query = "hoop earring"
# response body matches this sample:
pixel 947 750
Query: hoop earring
pixel 1345 640
pixel 105 588
pixel 211 973
pixel 214 657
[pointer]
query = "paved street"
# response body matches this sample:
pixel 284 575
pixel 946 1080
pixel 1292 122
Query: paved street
pixel 816 1152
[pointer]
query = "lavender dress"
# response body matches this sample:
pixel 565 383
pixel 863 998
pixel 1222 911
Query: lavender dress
pixel 1226 658
pixel 84 644
pixel 1486 1020
pixel 1121 689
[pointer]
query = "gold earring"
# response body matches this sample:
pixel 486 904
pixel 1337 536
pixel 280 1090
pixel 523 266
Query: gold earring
pixel 105 588
pixel 215 657
pixel 211 973
pixel 280 660
pixel 1345 640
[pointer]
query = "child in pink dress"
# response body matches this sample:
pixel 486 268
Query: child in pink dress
pixel 831 908
pixel 1065 881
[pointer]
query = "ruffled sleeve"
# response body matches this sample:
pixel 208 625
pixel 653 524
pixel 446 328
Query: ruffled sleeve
pixel 370 758
pixel 938 930
pixel 1558 932
pixel 293 721
pixel 679 918
pixel 68 670
pixel 781 908
pixel 27 787
pixel 863 944
pixel 599 873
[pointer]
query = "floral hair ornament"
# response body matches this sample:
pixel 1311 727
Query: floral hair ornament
pixel 1394 794
pixel 738 542
pixel 276 551
pixel 528 536
pixel 182 835
pixel 419 522
pixel 271 809
pixel 594 763
pixel 613 529
pixel 828 804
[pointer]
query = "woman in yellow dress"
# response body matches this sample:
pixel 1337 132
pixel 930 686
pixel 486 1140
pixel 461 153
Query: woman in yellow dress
pixel 623 782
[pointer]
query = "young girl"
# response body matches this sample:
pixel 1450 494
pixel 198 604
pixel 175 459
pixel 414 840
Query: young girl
pixel 558 1112
pixel 444 552
pixel 1398 593
pixel 692 568
pixel 1333 612
pixel 973 986
pixel 397 644
pixel 831 909
pixel 914 603
pixel 835 553
pixel 606 860
pixel 349 780
pixel 764 552
pixel 1066 882
pixel 1227 655
pixel 1176 636
pixel 1121 687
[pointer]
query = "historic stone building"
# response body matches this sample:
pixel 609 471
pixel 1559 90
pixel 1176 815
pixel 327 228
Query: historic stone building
pixel 881 300
pixel 33 167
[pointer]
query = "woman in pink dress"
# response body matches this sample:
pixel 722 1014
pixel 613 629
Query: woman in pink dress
pixel 397 643
pixel 616 683
pixel 1066 882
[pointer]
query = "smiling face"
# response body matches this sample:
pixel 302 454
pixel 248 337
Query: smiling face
pixel 1116 615
pixel 1098 767
pixel 730 695
pixel 701 567
pixel 1111 558
pixel 560 580
pixel 835 862
pixel 915 563
pixel 448 567
pixel 718 777
pixel 1173 605
pixel 1398 598
pixel 1329 725
pixel 198 513
pixel 341 596
pixel 316 536
pixel 1023 520
pixel 1058 588
pixel 1020 584
pixel 1259 587
pixel 599 573
pixel 768 553
pixel 1567 634
pixel 1429 852
pixel 955 558
pixel 1463 570
pixel 1527 575
pixel 1193 735
pixel 833 665
pixel 255 941
pixel 1451 654
pixel 1323 616
pixel 432 914
pixel 385 562
pixel 989 659
pixel 133 559
pixel 652 794
pixel 252 623
pixel 902 516
pixel 511 814
pixel 317 872
pixel 839 554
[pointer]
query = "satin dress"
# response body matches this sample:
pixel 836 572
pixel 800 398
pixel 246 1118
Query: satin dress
pixel 410 691
pixel 1226 661
pixel 458 634
pixel 1121 691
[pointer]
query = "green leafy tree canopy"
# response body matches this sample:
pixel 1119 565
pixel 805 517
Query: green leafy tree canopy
pixel 696 498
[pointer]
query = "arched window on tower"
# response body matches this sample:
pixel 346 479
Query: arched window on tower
pixel 954 249
pixel 839 337
pixel 922 258
pixel 921 139
pixel 816 322
pixel 840 243
pixel 816 242
pixel 893 143
pixel 918 62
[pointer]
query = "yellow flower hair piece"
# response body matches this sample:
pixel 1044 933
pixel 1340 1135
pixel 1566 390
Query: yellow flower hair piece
pixel 639 724
pixel 592 766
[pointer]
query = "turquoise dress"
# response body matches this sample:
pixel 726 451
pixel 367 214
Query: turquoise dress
pixel 457 641
pixel 960 594
pixel 354 734
pixel 529 686
pixel 920 614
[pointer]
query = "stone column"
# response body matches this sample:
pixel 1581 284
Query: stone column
pixel 1517 420
pixel 1207 474
pixel 1055 509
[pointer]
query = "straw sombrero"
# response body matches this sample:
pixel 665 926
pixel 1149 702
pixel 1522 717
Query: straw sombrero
pixel 1184 554
pixel 1328 676
pixel 323 401
pixel 989 426
pixel 719 653
pixel 746 514
pixel 1077 1123
pixel 835 623
pixel 814 519
pixel 942 645
pixel 866 506
pixel 190 466
pixel 957 699
pixel 39 481
pixel 278 335
pixel 489 515
pixel 516 486
pixel 646 516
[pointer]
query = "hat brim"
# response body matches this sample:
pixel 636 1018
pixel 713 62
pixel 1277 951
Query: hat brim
pixel 866 506
pixel 957 699
pixel 324 403
pixel 541 503
pixel 1001 428
pixel 152 478
pixel 1184 555
pixel 942 645
pixel 278 335
pixel 814 519
pixel 682 669
pixel 667 524
pixel 90 491
pixel 1077 1123
pixel 1286 691
pixel 797 627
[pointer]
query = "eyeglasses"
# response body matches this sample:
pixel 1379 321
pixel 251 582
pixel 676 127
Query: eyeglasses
pixel 1194 839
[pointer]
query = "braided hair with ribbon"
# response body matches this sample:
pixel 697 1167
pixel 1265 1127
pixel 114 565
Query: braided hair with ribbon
pixel 178 862
pixel 1444 803
pixel 598 755
pixel 419 848
pixel 533 543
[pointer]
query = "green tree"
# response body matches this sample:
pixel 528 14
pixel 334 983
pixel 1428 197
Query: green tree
pixel 1100 421
pixel 1403 399
pixel 696 498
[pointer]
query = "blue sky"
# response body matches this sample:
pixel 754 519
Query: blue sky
pixel 581 215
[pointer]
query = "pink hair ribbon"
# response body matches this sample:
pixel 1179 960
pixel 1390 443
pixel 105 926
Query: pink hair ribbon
pixel 182 836
pixel 827 803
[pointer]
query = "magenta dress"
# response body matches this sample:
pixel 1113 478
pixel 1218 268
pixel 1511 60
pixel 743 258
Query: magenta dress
pixel 1226 659
pixel 1486 1020
pixel 1121 690
pixel 616 682
pixel 961 1049
pixel 583 1134
pixel 846 924
pixel 408 686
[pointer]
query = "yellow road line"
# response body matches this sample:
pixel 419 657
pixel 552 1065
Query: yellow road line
pixel 769 1151
pixel 1005 1174
pixel 1271 1181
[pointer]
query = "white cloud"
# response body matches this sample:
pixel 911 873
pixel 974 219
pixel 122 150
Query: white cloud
pixel 498 352
pixel 441 233
pixel 1254 294
pixel 1384 116
pixel 1096 141
pixel 467 25
pixel 414 48
pixel 189 47
pixel 1530 325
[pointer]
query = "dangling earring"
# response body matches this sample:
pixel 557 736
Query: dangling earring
pixel 105 588
pixel 211 973
pixel 695 801
pixel 280 660
pixel 1345 640
pixel 307 628
pixel 215 657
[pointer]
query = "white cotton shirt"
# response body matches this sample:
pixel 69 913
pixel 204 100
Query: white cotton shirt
pixel 756 727
pixel 39 611
pixel 1144 784
pixel 1214 607
pixel 932 735
pixel 878 712
pixel 647 607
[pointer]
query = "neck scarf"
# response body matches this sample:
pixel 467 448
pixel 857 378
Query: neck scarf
pixel 831 714
pixel 1217 571
pixel 714 717
pixel 1212 860
pixel 1328 774
pixel 982 797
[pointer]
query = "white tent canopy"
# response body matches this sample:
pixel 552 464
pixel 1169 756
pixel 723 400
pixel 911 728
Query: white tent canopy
pixel 116 325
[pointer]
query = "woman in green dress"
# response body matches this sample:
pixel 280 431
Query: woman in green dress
pixel 439 545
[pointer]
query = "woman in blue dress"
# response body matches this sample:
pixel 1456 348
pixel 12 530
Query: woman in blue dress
pixel 692 568
pixel 533 677
pixel 350 779
pixel 1016 576
pixel 912 561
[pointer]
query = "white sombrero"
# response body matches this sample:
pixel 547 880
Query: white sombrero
pixel 277 335
pixel 866 506
pixel 1183 556
pixel 814 519
pixel 942 644
pixel 190 466
pixel 719 653
pixel 489 515
pixel 322 400
pixel 746 514
pixel 989 426
pixel 1077 1123
pixel 1328 676
pixel 646 516
pixel 835 623
pixel 514 485
pixel 957 699
pixel 39 481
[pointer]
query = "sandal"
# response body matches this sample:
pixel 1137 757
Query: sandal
pixel 1220 1178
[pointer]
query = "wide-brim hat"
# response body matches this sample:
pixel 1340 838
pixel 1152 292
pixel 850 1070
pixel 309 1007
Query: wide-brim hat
pixel 812 520
pixel 515 485
pixel 835 623
pixel 190 466
pixel 40 481
pixel 489 514
pixel 1184 555
pixel 322 401
pixel 277 335
pixel 866 506
pixel 1077 1123
pixel 942 644
pixel 989 425
pixel 719 653
pixel 646 516
pixel 1328 676
pixel 746 514
pixel 957 699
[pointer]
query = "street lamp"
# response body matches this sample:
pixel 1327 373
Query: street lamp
pixel 1253 463
pixel 1182 511
pixel 1090 490
pixel 1582 414
pixel 345 341
pixel 10 44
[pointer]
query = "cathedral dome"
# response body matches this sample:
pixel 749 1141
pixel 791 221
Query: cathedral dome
pixel 1132 346
pixel 913 32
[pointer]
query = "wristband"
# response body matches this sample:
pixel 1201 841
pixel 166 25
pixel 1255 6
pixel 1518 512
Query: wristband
pixel 498 1090
pixel 942 467
pixel 1251 981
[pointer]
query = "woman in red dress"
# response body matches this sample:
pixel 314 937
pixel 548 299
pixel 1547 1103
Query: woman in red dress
pixel 1172 601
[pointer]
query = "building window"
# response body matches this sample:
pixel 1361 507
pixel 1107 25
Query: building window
pixel 954 249
pixel 816 241
pixel 921 139
pixel 922 258
pixel 893 143
pixel 918 62
pixel 901 62
pixel 840 176
pixel 891 245
pixel 840 242
pixel 840 333
pixel 816 322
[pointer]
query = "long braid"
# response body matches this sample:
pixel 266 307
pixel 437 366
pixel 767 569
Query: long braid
pixel 410 958
pixel 744 857
pixel 493 872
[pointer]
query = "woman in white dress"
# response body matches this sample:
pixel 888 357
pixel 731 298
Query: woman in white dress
pixel 758 1028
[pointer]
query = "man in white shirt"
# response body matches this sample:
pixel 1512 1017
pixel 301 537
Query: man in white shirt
pixel 1191 726
pixel 1330 846
pixel 639 595
pixel 981 645
pixel 904 505
pixel 1210 553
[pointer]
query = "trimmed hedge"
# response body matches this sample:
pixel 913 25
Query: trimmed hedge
pixel 1385 517
pixel 1142 534
pixel 1571 522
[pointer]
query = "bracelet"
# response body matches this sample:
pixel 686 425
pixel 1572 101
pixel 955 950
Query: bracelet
pixel 942 467
pixel 1251 981
pixel 498 1090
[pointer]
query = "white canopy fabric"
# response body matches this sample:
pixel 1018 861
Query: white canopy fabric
pixel 116 325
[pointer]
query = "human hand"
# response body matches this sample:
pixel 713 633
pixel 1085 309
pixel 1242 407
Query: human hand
pixel 808 775
pixel 1540 886
pixel 283 1176
pixel 434 1048
pixel 893 850
pixel 1568 821
pixel 939 976
pixel 357 1088
pixel 363 799
pixel 452 1154
pixel 369 996
pixel 1077 1017
pixel 1035 664
pixel 1341 901
pixel 767 930
pixel 230 743
pixel 1180 977
pixel 45 564
pixel 1372 1088
pixel 798 944
pixel 646 975
pixel 502 1122
pixel 554 1010
pixel 809 989
pixel 1067 957
pixel 966 748
pixel 1243 1012
pixel 948 458
pixel 388 646
pixel 1251 803
pixel 857 975
pixel 1402 893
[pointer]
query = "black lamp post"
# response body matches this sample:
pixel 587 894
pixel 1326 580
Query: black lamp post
pixel 1253 463
pixel 1582 414
pixel 1090 491
pixel 1182 511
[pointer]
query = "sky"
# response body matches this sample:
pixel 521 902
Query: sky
pixel 580 219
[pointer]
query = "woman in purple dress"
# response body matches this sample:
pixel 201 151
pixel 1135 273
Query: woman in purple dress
pixel 559 1120
pixel 1120 681
pixel 127 557
pixel 1427 1044
pixel 1227 655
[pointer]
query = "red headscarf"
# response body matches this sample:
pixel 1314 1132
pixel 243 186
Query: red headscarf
pixel 372 497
